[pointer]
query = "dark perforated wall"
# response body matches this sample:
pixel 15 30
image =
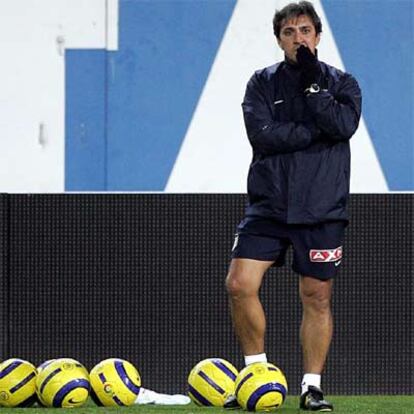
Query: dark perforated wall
pixel 141 277
pixel 4 273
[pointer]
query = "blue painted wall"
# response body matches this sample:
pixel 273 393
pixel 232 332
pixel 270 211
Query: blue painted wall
pixel 156 78
pixel 85 120
pixel 376 42
pixel 153 82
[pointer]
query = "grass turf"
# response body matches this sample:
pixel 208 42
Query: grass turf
pixel 372 404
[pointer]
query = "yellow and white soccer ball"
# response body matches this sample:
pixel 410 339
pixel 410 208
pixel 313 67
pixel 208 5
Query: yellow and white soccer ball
pixel 63 382
pixel 115 382
pixel 261 387
pixel 211 381
pixel 17 383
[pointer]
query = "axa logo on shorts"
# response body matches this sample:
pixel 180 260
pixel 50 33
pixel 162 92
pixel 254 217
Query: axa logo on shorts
pixel 325 255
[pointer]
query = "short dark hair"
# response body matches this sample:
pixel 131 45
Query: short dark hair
pixel 293 10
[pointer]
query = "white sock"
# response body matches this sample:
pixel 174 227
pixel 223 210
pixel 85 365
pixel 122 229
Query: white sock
pixel 310 379
pixel 251 359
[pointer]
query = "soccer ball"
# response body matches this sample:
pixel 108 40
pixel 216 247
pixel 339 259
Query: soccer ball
pixel 64 382
pixel 261 387
pixel 43 365
pixel 211 381
pixel 115 382
pixel 17 383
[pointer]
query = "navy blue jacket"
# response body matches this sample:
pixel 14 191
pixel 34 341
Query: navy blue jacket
pixel 301 157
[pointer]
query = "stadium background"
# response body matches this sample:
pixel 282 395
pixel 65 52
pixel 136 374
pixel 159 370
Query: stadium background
pixel 144 96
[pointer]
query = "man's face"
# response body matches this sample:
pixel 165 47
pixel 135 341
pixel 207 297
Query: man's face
pixel 296 32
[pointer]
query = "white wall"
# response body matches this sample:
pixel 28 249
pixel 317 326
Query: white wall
pixel 33 37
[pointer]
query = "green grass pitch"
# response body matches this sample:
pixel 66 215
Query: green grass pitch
pixel 371 404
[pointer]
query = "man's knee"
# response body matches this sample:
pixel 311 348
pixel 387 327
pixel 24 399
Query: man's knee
pixel 238 286
pixel 316 295
pixel 245 277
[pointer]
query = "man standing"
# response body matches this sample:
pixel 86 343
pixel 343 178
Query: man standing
pixel 300 115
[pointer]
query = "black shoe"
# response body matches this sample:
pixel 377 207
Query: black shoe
pixel 231 403
pixel 313 400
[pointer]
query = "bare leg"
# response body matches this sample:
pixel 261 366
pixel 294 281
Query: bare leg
pixel 243 282
pixel 317 325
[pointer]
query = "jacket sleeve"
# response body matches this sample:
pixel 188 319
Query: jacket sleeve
pixel 338 116
pixel 267 136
